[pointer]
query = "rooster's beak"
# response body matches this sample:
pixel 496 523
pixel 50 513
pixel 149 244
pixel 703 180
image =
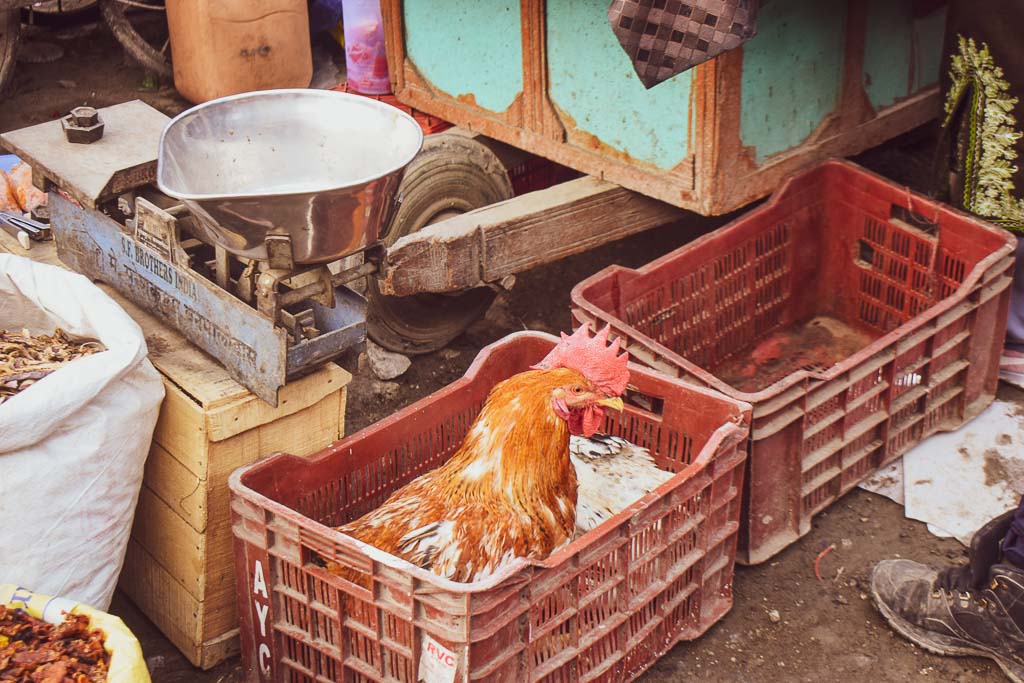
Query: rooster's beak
pixel 613 402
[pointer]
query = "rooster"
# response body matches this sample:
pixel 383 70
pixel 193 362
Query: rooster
pixel 510 490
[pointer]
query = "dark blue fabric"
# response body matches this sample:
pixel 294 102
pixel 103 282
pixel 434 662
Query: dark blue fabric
pixel 324 15
pixel 1013 542
pixel 1015 322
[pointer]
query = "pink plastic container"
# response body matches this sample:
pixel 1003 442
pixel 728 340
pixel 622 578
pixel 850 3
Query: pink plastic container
pixel 365 57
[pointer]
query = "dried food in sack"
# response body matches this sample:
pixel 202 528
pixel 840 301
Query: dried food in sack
pixel 51 639
pixel 34 650
pixel 26 358
pixel 66 528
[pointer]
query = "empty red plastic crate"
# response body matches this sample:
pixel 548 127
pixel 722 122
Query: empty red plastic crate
pixel 604 607
pixel 855 316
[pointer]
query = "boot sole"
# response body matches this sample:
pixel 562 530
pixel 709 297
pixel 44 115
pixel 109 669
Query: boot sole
pixel 943 645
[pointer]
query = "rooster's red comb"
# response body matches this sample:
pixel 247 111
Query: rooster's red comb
pixel 593 357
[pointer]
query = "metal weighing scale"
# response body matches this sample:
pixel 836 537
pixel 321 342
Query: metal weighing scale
pixel 231 221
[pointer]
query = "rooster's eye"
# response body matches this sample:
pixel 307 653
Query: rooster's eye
pixel 577 389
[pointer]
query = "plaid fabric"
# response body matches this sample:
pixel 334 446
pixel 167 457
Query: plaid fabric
pixel 666 37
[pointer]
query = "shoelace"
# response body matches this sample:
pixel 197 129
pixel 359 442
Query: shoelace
pixel 965 597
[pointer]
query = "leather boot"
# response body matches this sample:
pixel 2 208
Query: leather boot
pixel 973 610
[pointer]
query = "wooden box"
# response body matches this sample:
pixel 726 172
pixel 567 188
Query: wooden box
pixel 179 569
pixel 818 79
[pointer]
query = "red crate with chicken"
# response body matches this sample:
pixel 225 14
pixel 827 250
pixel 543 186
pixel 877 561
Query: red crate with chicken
pixel 317 604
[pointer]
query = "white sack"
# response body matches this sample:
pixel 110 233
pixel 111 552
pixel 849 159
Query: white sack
pixel 72 445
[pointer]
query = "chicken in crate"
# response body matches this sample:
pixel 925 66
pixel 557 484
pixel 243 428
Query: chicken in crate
pixel 554 514
pixel 512 490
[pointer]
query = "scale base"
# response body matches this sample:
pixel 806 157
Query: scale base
pixel 148 263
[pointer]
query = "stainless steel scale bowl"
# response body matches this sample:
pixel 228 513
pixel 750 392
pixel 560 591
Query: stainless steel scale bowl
pixel 318 166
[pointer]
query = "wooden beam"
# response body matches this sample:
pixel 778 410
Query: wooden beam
pixel 491 243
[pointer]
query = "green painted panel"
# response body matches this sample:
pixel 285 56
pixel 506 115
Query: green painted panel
pixel 467 48
pixel 792 71
pixel 593 81
pixel 930 31
pixel 889 47
pixel 887 51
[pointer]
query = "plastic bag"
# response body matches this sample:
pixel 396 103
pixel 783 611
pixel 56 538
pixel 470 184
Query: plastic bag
pixel 127 664
pixel 25 193
pixel 8 200
pixel 17 193
pixel 72 445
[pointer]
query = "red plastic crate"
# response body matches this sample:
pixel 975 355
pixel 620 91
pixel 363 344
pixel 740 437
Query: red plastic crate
pixel 428 123
pixel 537 173
pixel 926 286
pixel 605 607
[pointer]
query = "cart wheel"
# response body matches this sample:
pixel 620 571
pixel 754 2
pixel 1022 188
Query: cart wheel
pixel 10 25
pixel 119 16
pixel 451 175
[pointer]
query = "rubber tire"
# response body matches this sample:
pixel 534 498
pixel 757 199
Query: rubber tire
pixel 142 52
pixel 451 175
pixel 10 27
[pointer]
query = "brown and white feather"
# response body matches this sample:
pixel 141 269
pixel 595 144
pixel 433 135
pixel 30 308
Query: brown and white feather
pixel 612 474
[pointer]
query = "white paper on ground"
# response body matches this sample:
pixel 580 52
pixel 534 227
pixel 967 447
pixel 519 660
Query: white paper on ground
pixel 887 482
pixel 958 481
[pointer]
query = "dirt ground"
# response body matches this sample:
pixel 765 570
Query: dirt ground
pixel 828 630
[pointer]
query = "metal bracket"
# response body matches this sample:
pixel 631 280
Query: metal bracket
pixel 276 289
pixel 16 225
pixel 279 252
pixel 157 229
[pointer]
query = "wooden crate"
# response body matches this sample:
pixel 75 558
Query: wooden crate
pixel 179 567
pixel 819 79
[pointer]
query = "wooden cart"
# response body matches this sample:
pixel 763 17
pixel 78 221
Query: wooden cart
pixel 818 80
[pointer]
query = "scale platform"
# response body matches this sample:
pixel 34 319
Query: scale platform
pixel 111 224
